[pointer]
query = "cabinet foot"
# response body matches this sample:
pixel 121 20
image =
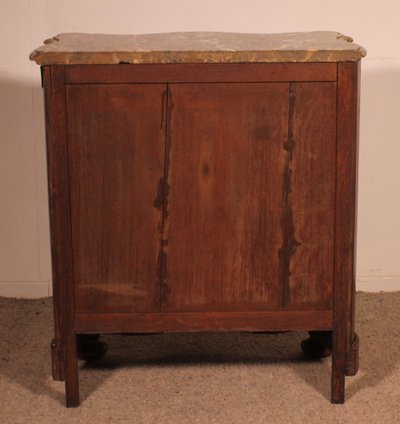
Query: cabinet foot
pixel 90 347
pixel 337 393
pixel 71 372
pixel 318 345
pixel 338 380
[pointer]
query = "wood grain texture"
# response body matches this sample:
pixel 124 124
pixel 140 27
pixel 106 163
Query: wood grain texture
pixel 60 232
pixel 346 191
pixel 205 72
pixel 58 213
pixel 223 228
pixel 210 321
pixel 116 136
pixel 202 197
pixel 310 196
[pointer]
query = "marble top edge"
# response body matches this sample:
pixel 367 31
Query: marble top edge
pixel 180 47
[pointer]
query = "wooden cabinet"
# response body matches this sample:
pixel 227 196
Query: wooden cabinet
pixel 202 197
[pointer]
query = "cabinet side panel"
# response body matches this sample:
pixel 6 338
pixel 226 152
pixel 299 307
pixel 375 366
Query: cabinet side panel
pixel 116 136
pixel 223 228
pixel 310 196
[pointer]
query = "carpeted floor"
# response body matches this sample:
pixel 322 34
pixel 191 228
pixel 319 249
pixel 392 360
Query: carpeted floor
pixel 200 378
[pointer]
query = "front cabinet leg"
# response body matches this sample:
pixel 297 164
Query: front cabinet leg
pixel 71 371
pixel 338 366
pixel 338 382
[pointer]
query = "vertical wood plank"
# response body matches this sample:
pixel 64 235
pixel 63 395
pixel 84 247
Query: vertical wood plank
pixel 116 136
pixel 346 183
pixel 57 344
pixel 310 196
pixel 223 225
pixel 60 230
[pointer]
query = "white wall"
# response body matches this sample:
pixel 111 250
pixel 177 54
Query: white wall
pixel 24 24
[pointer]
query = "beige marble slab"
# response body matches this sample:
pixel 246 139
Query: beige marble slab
pixel 197 47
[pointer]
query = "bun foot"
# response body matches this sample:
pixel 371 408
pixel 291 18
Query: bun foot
pixel 318 345
pixel 90 348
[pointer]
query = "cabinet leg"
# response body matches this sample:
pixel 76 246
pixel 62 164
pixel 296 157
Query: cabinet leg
pixel 71 372
pixel 318 345
pixel 338 367
pixel 338 384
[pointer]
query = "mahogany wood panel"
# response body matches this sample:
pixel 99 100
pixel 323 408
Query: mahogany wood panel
pixel 116 139
pixel 310 196
pixel 173 73
pixel 223 229
pixel 210 321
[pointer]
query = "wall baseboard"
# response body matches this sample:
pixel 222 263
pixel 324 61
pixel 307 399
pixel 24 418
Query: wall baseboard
pixel 35 290
pixel 375 284
pixel 26 289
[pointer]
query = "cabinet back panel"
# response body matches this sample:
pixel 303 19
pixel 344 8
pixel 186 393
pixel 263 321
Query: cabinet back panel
pixel 310 196
pixel 116 141
pixel 223 227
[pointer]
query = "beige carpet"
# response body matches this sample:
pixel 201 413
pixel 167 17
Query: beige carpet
pixel 200 378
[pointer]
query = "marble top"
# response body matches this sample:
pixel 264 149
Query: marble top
pixel 197 47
